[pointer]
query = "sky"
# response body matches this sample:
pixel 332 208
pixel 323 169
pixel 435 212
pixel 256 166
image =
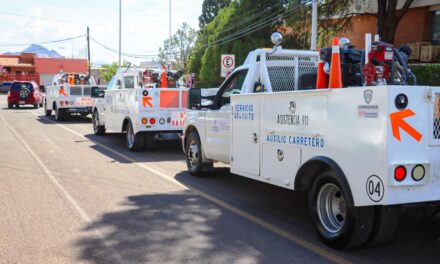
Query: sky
pixel 145 25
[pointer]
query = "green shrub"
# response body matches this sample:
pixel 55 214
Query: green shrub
pixel 427 74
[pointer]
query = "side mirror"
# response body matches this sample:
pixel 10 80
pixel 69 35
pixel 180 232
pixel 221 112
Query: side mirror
pixel 194 98
pixel 97 93
pixel 42 88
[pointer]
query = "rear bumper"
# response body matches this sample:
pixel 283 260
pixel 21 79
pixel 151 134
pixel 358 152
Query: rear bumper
pixel 79 110
pixel 22 102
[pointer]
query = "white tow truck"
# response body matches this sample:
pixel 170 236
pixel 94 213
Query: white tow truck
pixel 362 153
pixel 70 93
pixel 132 103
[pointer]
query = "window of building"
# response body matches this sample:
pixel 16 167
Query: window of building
pixel 435 27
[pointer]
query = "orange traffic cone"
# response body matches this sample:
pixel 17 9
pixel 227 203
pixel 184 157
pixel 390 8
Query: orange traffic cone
pixel 335 69
pixel 71 79
pixel 321 79
pixel 164 79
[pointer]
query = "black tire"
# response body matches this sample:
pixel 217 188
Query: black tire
pixel 17 106
pixel 41 104
pixel 150 142
pixel 36 106
pixel 10 106
pixel 98 130
pixel 386 220
pixel 59 114
pixel 194 159
pixel 352 225
pixel 47 112
pixel 134 142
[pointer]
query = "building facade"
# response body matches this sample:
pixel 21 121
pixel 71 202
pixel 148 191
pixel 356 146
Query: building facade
pixel 30 67
pixel 420 24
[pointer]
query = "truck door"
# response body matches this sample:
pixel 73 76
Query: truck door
pixel 246 139
pixel 218 119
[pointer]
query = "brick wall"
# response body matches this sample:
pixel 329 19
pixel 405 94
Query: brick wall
pixel 414 27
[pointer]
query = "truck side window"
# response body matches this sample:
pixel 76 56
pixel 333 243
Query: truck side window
pixel 129 82
pixel 235 84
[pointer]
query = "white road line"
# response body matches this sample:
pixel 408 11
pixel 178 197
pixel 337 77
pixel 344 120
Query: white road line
pixel 63 191
pixel 286 234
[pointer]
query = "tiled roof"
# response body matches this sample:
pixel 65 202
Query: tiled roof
pixel 13 62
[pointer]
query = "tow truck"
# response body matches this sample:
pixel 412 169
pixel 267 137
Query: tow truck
pixel 70 93
pixel 135 103
pixel 363 153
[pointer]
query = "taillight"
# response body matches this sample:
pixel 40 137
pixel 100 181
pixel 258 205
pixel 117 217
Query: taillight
pixel 144 121
pixel 400 173
pixel 61 103
pixel 66 102
pixel 418 172
pixel 162 121
pixel 152 121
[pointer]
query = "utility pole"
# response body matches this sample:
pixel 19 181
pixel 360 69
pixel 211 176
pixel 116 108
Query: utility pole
pixel 171 41
pixel 120 31
pixel 314 25
pixel 88 50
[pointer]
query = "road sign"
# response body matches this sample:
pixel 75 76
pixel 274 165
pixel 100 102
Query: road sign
pixel 228 64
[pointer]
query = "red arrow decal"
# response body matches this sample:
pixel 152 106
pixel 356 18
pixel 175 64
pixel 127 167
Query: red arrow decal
pixel 398 122
pixel 62 92
pixel 146 100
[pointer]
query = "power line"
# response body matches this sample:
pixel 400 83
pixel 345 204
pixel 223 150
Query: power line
pixel 41 43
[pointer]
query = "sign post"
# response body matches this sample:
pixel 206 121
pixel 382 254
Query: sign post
pixel 227 64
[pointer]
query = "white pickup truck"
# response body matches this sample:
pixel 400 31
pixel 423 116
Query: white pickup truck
pixel 362 153
pixel 70 94
pixel 133 105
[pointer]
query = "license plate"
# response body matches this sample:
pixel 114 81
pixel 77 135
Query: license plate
pixel 21 102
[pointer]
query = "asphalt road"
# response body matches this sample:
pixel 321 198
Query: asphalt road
pixel 67 196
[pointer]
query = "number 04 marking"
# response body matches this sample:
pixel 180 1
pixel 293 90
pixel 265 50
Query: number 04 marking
pixel 375 188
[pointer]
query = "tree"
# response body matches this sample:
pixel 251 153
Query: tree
pixel 210 9
pixel 180 49
pixel 388 18
pixel 107 71
pixel 236 29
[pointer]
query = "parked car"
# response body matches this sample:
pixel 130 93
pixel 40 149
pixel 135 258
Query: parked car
pixel 4 87
pixel 25 93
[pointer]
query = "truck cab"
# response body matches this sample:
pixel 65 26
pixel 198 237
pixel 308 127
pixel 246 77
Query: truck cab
pixel 133 104
pixel 362 153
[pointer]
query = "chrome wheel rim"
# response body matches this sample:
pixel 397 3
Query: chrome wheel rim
pixel 193 154
pixel 130 136
pixel 331 208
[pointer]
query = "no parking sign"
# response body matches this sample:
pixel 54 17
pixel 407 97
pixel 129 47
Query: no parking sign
pixel 228 64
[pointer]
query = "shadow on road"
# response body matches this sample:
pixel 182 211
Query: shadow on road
pixel 180 227
pixel 74 119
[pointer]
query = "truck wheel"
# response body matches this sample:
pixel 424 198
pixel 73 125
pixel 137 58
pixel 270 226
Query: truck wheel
pixel 194 160
pixel 41 104
pixel 150 142
pixel 97 129
pixel 339 225
pixel 10 106
pixel 135 142
pixel 47 112
pixel 59 114
pixel 386 220
pixel 36 106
